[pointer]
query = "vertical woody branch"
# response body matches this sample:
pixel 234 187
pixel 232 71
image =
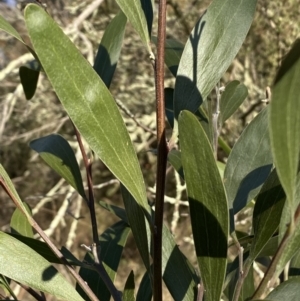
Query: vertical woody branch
pixel 162 152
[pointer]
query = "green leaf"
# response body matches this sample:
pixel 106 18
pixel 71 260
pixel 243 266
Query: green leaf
pixel 267 213
pixel 169 105
pixel 178 274
pixel 287 209
pixel 288 290
pixel 173 52
pixel 4 25
pixel 22 264
pixel 43 249
pixel 147 6
pixel 294 267
pixel 112 242
pixel 231 99
pixel 119 212
pixel 87 101
pixel 8 183
pixel 19 223
pixel 109 49
pixel 58 154
pixel 208 204
pixel 210 49
pixel 128 294
pixel 145 290
pixel 174 158
pixel 139 227
pixel 284 123
pixel 289 60
pixel 134 12
pixel 29 79
pixel 249 163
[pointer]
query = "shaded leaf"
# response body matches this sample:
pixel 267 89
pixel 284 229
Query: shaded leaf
pixel 145 290
pixel 147 6
pixel 33 270
pixel 208 204
pixel 118 211
pixel 19 223
pixel 139 226
pixel 110 47
pixel 249 163
pixel 231 99
pixel 87 101
pixel 210 49
pixel 29 79
pixel 128 294
pixel 294 267
pixel 169 105
pixel 7 181
pixel 173 52
pixel 288 290
pixel 178 273
pixel 284 123
pixel 43 249
pixel 174 158
pixel 112 242
pixel 4 25
pixel 134 11
pixel 288 61
pixel 58 154
pixel 267 212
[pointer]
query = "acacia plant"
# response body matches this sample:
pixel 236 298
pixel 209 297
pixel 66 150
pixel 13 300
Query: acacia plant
pixel 262 167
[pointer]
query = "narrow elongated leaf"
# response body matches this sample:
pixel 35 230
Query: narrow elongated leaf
pixel 112 242
pixel 119 212
pixel 173 52
pixel 288 290
pixel 267 213
pixel 139 227
pixel 87 101
pixel 294 267
pixel 29 79
pixel 33 270
pixel 287 209
pixel 233 96
pixel 178 274
pixel 249 163
pixel 43 249
pixel 110 47
pixel 145 291
pixel 210 49
pixel 147 6
pixel 6 179
pixel 208 204
pixel 134 12
pixel 284 123
pixel 128 294
pixel 4 25
pixel 19 223
pixel 58 154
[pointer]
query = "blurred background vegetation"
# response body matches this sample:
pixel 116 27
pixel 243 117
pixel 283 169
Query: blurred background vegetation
pixel 55 206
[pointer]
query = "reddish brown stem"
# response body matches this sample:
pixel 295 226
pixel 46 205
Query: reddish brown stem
pixel 162 153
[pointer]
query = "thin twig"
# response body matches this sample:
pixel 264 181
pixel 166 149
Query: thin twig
pixel 162 153
pixel 32 292
pixel 91 203
pixel 54 249
pixel 129 114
